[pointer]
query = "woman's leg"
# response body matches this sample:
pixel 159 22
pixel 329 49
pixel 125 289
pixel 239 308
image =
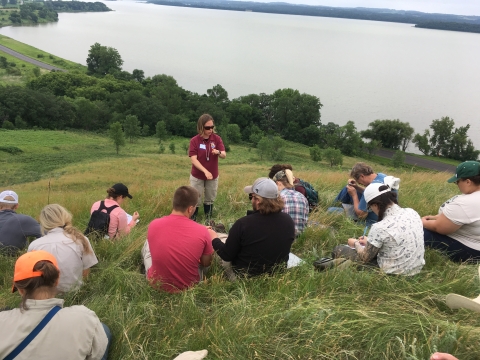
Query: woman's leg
pixel 454 249
pixel 199 185
pixel 211 187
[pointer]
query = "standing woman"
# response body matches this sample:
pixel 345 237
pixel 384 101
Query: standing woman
pixel 73 333
pixel 205 149
pixel 70 247
pixel 119 223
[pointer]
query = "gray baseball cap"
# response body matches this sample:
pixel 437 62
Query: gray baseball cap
pixel 263 187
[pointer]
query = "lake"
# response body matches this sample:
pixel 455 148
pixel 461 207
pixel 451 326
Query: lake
pixel 360 70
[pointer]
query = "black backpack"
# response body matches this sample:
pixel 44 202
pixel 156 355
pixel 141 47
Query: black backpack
pixel 99 221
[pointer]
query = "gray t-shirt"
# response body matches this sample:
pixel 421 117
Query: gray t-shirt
pixel 15 228
pixel 399 236
pixel 464 210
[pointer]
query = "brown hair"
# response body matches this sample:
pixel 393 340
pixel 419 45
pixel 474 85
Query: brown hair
pixel 184 197
pixel 270 206
pixel 278 167
pixel 112 194
pixel 8 205
pixel 383 201
pixel 53 216
pixel 360 169
pixel 48 280
pixel 202 120
pixel 475 179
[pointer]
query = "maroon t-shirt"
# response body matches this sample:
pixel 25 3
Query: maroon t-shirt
pixel 203 149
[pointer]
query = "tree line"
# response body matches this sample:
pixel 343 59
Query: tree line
pixel 107 94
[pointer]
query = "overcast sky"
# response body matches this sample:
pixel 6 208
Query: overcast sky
pixel 459 7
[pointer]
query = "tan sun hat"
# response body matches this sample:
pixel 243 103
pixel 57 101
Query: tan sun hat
pixel 455 301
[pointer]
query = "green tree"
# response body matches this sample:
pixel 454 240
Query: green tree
pixel 219 96
pixel 20 123
pixel 103 60
pixel 36 71
pixel 145 130
pixel 233 133
pixel 8 125
pixel 422 142
pixel 132 128
pixel 264 147
pixel 373 146
pixel 117 136
pixel 398 159
pixel 160 131
pixel 393 134
pixel 333 156
pixel 161 148
pixel 138 75
pixel 316 153
pixel 442 131
pixel 4 3
pixel 185 146
pixel 172 147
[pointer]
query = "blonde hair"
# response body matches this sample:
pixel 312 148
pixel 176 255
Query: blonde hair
pixel 53 216
pixel 8 205
pixel 285 177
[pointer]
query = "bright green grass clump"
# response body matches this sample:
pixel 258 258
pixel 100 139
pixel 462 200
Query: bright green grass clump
pixel 300 314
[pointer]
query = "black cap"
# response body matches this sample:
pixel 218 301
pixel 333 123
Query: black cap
pixel 121 189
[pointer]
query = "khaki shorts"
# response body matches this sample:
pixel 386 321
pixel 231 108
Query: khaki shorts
pixel 209 187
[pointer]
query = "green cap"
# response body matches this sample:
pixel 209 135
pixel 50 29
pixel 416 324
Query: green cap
pixel 466 169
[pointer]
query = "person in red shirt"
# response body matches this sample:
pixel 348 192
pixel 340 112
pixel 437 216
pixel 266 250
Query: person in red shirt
pixel 178 249
pixel 205 149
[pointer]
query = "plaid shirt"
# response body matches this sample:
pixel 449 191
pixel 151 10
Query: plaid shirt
pixel 296 205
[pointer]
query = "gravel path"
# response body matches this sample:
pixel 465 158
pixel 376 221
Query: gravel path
pixel 29 59
pixel 413 160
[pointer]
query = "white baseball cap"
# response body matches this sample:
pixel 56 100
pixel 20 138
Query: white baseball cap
pixel 10 193
pixel 373 190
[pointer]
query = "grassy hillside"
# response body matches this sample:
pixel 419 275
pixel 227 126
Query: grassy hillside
pixel 300 314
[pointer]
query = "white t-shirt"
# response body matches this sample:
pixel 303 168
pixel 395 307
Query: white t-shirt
pixel 70 257
pixel 399 236
pixel 464 210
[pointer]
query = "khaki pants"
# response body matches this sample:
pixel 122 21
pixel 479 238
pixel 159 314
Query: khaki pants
pixel 206 188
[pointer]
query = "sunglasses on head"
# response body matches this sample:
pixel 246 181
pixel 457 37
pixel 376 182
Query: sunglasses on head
pixel 209 127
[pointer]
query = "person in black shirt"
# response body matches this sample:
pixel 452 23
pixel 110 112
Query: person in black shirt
pixel 260 242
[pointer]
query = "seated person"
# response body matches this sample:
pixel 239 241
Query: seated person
pixel 70 247
pixel 178 249
pixel 456 228
pixel 74 333
pixel 352 194
pixel 395 242
pixel 295 204
pixel 119 222
pixel 15 228
pixel 259 242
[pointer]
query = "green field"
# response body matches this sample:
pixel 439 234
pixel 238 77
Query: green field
pixel 300 314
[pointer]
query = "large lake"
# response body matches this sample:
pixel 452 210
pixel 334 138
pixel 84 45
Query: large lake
pixel 360 70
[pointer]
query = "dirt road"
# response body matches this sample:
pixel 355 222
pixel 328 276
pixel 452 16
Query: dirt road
pixel 413 160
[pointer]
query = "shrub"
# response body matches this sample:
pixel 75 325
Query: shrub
pixel 333 156
pixel 11 149
pixel 172 147
pixel 316 153
pixel 8 125
pixel 398 159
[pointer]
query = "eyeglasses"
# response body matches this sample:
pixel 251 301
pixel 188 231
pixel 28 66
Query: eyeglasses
pixel 209 127
pixel 251 196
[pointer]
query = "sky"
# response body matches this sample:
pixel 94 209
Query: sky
pixel 458 7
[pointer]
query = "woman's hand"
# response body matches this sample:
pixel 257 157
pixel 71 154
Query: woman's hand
pixel 135 216
pixel 351 242
pixel 208 175
pixel 442 356
pixel 363 240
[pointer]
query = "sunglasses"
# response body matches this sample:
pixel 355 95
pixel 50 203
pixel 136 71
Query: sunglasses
pixel 251 196
pixel 209 127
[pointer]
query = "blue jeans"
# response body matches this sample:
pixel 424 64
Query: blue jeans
pixel 454 249
pixel 109 337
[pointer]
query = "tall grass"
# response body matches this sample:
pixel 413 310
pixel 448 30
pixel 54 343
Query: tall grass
pixel 355 313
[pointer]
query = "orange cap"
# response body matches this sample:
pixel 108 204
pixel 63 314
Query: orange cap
pixel 25 264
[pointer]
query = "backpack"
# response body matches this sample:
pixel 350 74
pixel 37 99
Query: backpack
pixel 99 221
pixel 310 193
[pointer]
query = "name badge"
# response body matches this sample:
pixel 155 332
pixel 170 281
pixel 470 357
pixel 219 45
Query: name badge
pixel 202 146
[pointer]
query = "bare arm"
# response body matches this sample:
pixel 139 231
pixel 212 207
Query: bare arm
pixel 200 167
pixel 353 193
pixel 206 260
pixel 221 154
pixel 442 356
pixel 86 272
pixel 440 224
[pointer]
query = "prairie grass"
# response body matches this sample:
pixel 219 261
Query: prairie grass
pixel 298 314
